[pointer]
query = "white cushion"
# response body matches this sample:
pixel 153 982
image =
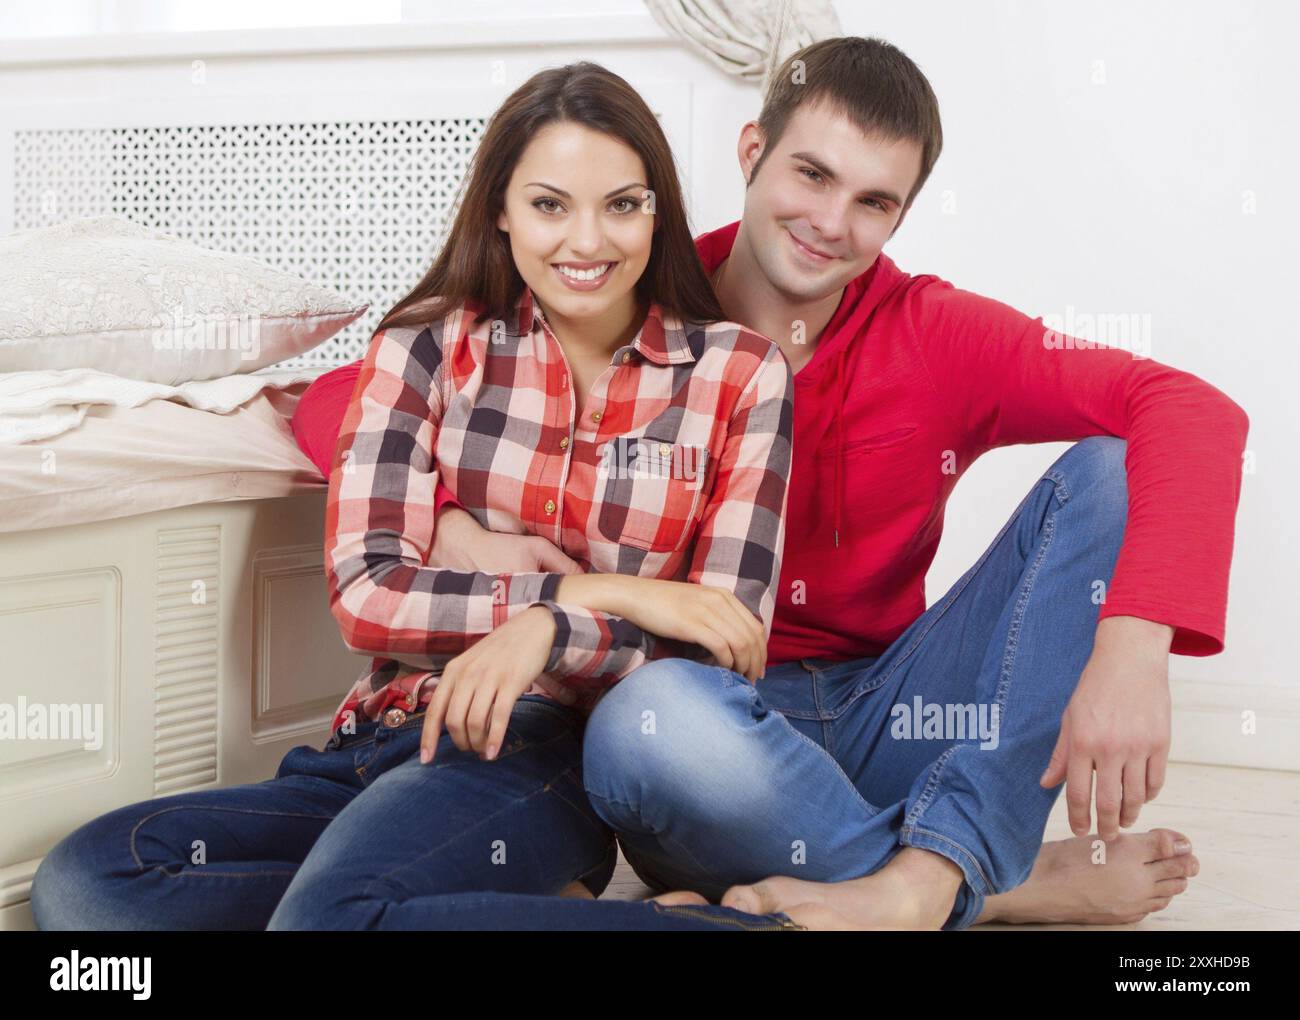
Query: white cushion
pixel 107 294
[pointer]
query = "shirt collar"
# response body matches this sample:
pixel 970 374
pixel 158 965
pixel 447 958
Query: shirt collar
pixel 663 337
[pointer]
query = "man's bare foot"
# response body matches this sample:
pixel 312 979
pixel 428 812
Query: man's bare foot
pixel 576 890
pixel 1142 873
pixel 915 890
pixel 679 896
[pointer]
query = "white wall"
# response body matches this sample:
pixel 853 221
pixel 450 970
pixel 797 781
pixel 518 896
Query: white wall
pixel 1129 195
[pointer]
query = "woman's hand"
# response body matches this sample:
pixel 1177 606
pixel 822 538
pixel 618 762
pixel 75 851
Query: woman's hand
pixel 706 615
pixel 478 688
pixel 461 543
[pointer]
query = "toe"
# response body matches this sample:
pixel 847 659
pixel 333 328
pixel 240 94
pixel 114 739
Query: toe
pixel 1170 867
pixel 749 898
pixel 1171 887
pixel 1166 842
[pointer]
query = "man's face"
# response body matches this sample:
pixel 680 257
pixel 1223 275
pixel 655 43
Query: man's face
pixel 824 201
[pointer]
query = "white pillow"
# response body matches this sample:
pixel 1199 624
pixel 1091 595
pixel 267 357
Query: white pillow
pixel 107 294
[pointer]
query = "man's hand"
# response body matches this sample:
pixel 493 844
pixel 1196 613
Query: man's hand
pixel 1117 722
pixel 461 543
pixel 478 688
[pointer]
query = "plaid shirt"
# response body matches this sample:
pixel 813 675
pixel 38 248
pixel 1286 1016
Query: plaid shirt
pixel 677 469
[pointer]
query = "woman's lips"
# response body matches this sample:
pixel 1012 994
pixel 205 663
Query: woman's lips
pixel 585 285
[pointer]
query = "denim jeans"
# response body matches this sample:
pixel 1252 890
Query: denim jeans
pixel 359 834
pixel 818 771
pixel 825 770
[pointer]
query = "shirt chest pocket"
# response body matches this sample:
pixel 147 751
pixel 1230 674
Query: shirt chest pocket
pixel 649 490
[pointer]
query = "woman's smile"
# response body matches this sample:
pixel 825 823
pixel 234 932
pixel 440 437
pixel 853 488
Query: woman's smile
pixel 584 276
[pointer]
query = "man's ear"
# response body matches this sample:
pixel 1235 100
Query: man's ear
pixel 749 149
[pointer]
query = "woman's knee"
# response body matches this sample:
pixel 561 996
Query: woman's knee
pixel 75 886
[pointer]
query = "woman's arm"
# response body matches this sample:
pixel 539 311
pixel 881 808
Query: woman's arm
pixel 380 516
pixel 737 547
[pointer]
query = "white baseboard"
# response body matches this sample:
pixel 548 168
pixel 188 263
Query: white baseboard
pixel 1248 725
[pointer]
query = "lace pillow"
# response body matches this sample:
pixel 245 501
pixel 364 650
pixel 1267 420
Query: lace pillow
pixel 107 294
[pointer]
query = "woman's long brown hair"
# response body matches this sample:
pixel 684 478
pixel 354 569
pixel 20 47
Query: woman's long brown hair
pixel 475 264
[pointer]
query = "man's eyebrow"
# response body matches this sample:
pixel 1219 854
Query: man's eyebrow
pixel 829 174
pixel 565 194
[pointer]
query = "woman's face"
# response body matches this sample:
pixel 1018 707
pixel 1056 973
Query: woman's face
pixel 580 218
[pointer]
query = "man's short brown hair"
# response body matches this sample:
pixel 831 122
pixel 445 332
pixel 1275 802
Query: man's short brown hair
pixel 872 82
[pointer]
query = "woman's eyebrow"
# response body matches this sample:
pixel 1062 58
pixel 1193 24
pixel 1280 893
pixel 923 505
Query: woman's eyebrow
pixel 565 194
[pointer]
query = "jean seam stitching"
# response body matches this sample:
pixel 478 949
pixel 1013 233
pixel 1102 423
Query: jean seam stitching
pixel 478 825
pixel 135 855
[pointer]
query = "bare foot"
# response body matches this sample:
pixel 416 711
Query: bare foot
pixel 576 890
pixel 679 897
pixel 915 890
pixel 1142 873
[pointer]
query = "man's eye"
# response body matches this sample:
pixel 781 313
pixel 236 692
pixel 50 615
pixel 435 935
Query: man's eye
pixel 810 174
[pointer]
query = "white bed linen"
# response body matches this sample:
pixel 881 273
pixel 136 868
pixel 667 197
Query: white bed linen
pixel 131 460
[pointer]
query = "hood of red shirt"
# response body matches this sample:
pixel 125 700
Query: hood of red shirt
pixel 824 381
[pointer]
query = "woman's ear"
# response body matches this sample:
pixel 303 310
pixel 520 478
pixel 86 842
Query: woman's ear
pixel 502 222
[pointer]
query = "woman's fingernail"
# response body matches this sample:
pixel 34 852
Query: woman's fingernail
pixel 424 756
pixel 492 751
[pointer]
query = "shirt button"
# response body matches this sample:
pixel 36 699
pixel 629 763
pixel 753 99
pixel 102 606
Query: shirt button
pixel 564 442
pixel 664 449
pixel 550 506
pixel 627 356
pixel 595 416
pixel 394 717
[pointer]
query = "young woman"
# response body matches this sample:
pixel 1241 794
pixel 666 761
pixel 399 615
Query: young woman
pixel 563 371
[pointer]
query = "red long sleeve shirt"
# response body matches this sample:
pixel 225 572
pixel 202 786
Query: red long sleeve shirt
pixel 912 374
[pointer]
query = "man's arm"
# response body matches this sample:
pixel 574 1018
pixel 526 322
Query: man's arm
pixel 1013 380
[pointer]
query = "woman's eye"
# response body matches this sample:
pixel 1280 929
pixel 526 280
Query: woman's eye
pixel 538 203
pixel 631 204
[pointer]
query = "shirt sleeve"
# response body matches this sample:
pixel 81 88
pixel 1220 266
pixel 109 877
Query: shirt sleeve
pixel 737 546
pixel 1013 379
pixel 380 512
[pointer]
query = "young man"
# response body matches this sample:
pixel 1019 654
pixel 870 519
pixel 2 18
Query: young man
pixel 895 766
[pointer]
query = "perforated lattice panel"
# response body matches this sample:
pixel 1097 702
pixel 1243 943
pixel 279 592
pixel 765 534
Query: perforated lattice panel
pixel 359 206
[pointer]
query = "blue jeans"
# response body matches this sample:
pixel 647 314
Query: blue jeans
pixel 362 835
pixel 706 784
pixel 825 770
pixel 358 835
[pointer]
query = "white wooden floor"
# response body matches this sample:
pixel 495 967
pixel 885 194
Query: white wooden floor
pixel 1244 825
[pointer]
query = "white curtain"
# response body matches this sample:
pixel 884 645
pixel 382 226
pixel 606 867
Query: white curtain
pixel 747 38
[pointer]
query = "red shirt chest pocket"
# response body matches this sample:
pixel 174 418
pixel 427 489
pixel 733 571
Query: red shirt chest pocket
pixel 649 489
